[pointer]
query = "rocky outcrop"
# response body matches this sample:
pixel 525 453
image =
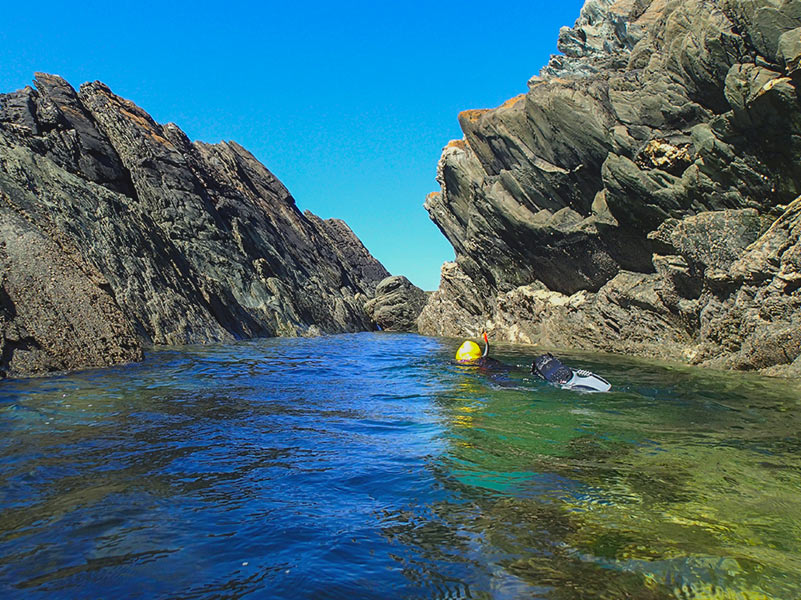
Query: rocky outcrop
pixel 616 204
pixel 164 240
pixel 55 309
pixel 359 264
pixel 397 305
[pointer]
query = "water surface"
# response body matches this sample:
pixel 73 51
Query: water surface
pixel 369 466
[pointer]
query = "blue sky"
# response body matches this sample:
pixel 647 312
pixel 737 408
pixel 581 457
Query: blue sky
pixel 348 103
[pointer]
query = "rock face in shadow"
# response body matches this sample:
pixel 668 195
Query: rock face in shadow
pixel 167 241
pixel 616 204
pixel 397 305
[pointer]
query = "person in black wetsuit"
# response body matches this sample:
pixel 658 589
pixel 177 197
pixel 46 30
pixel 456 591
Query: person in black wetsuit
pixel 545 366
pixel 551 369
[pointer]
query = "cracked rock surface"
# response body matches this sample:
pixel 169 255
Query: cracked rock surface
pixel 397 304
pixel 641 196
pixel 118 231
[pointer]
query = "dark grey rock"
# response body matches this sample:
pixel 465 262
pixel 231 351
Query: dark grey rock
pixel 626 201
pixel 713 239
pixel 56 311
pixel 396 305
pixel 363 269
pixel 195 242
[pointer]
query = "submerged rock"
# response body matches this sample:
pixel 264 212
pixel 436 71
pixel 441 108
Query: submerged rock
pixel 396 305
pixel 640 197
pixel 167 241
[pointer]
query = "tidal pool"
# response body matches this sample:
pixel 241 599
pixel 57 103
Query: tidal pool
pixel 370 466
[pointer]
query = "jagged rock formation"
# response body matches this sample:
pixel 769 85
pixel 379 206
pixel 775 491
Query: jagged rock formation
pixel 152 238
pixel 641 196
pixel 397 304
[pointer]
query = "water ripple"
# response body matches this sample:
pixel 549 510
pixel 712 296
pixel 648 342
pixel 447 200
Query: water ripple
pixel 370 466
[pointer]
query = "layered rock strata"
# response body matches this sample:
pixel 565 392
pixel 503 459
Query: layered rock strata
pixel 142 236
pixel 641 197
pixel 397 305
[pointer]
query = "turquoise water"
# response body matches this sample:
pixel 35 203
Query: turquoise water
pixel 369 466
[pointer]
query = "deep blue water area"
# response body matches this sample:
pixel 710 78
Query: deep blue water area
pixel 371 466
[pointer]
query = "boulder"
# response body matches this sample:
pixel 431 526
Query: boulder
pixel 396 305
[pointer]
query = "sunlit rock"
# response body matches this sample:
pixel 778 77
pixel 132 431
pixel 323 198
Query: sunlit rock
pixel 651 170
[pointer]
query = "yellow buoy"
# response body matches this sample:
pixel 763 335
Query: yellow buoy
pixel 467 352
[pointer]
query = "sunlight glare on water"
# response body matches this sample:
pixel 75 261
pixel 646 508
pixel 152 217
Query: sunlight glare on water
pixel 371 466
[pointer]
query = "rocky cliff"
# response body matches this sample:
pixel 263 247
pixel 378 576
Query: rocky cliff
pixel 119 231
pixel 642 195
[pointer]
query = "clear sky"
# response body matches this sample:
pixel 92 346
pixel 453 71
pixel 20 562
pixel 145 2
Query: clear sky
pixel 348 103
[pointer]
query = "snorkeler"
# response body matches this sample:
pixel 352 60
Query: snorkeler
pixel 546 367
